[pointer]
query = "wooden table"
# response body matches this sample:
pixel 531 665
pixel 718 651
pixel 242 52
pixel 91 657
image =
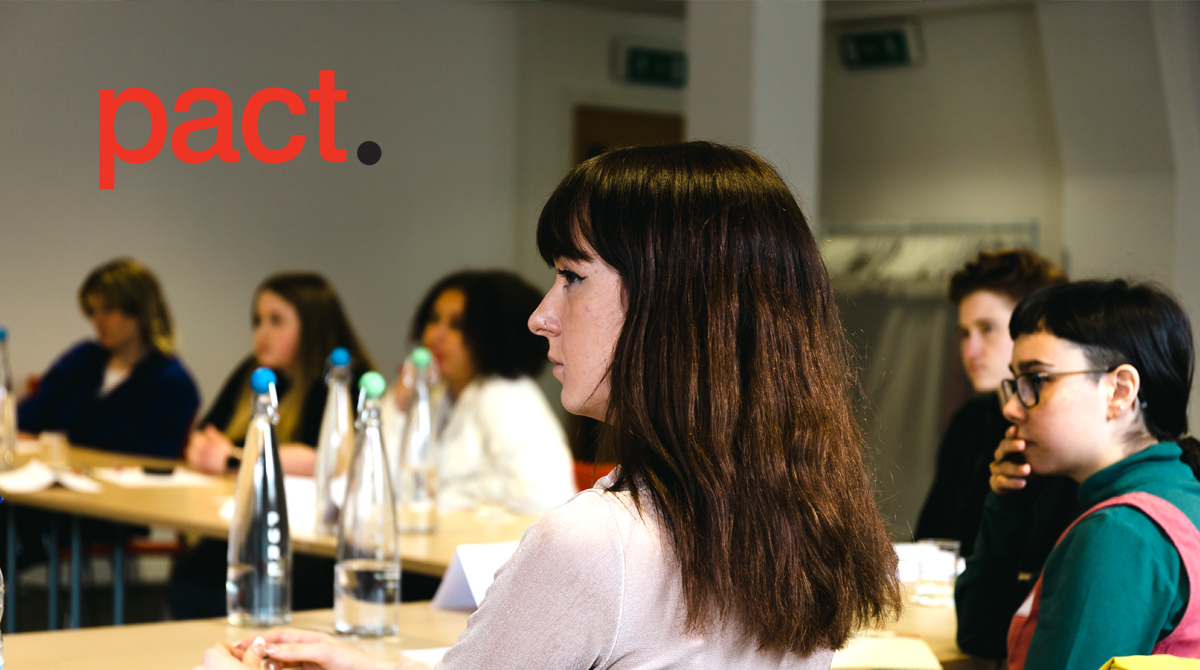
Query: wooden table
pixel 195 510
pixel 181 644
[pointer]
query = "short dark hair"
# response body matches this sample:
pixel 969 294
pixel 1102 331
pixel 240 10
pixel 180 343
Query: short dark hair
pixel 730 402
pixel 1011 272
pixel 495 321
pixel 1116 322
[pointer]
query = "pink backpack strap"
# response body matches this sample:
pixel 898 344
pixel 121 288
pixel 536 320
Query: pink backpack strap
pixel 1185 639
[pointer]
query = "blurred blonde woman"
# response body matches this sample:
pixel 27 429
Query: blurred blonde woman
pixel 125 390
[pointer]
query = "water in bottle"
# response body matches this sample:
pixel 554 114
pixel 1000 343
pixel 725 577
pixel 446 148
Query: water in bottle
pixel 366 587
pixel 334 444
pixel 416 470
pixel 258 587
pixel 8 407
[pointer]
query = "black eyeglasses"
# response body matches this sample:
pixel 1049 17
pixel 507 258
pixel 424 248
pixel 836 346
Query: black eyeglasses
pixel 1027 385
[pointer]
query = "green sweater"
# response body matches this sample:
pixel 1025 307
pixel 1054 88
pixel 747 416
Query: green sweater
pixel 1115 585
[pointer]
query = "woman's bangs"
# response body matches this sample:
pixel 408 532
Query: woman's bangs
pixel 563 226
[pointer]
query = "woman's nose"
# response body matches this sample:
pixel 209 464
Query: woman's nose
pixel 1013 410
pixel 543 320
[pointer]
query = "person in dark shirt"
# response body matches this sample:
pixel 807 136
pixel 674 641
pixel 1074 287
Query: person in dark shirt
pixel 298 320
pixel 986 290
pixel 124 391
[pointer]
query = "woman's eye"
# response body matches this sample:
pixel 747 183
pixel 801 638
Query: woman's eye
pixel 570 276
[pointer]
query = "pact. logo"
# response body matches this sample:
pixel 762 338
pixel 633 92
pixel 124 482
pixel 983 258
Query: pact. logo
pixel 326 95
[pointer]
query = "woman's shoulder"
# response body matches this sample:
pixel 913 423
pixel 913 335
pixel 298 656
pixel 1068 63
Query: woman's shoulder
pixel 594 518
pixel 83 351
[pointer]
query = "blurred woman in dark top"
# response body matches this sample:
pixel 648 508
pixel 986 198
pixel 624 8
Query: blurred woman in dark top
pixel 124 391
pixel 987 290
pixel 298 320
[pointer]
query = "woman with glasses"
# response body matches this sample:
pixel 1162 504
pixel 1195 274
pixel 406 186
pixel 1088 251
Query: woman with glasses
pixel 1102 373
pixel 986 290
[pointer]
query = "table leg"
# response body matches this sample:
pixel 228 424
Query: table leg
pixel 119 577
pixel 52 573
pixel 10 566
pixel 76 568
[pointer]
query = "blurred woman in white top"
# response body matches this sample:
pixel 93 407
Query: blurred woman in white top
pixel 500 441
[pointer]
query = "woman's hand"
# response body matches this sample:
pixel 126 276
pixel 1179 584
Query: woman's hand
pixel 290 647
pixel 1010 472
pixel 222 656
pixel 208 450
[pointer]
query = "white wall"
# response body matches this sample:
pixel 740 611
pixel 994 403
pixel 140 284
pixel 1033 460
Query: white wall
pixel 1109 106
pixel 967 135
pixel 564 62
pixel 756 82
pixel 434 84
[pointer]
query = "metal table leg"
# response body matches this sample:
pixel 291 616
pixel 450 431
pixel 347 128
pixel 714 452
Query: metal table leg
pixel 76 569
pixel 52 573
pixel 119 577
pixel 10 567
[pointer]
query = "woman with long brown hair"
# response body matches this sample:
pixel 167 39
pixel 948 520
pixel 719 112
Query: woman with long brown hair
pixel 297 320
pixel 693 315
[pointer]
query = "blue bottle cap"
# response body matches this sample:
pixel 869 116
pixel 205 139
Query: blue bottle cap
pixel 373 384
pixel 339 356
pixel 261 380
pixel 3 333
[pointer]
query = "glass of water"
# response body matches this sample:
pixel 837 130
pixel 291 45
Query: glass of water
pixel 938 568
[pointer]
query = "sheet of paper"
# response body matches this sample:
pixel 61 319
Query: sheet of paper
pixel 471 571
pixel 886 652
pixel 427 656
pixel 32 477
pixel 136 477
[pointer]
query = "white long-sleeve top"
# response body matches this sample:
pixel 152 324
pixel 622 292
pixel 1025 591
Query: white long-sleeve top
pixel 499 436
pixel 594 584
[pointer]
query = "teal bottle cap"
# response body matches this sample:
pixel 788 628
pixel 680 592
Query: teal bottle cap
pixel 373 384
pixel 3 333
pixel 261 380
pixel 421 358
pixel 340 356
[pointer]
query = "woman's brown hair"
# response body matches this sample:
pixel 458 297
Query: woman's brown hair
pixel 128 286
pixel 730 403
pixel 324 326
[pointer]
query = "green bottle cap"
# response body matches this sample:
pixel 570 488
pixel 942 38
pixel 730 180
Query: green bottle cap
pixel 421 358
pixel 373 384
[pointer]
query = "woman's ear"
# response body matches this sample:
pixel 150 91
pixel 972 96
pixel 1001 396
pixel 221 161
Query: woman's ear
pixel 1126 382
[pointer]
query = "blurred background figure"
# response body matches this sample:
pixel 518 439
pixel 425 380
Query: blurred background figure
pixel 124 391
pixel 498 436
pixel 986 290
pixel 297 320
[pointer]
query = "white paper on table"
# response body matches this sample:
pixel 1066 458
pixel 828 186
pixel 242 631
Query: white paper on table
pixel 471 571
pixel 301 495
pixel 428 656
pixel 136 477
pixel 885 651
pixel 36 476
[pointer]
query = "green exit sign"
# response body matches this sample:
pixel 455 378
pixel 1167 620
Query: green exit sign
pixel 655 67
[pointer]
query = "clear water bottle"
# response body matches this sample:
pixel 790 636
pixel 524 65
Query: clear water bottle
pixel 8 407
pixel 416 470
pixel 258 586
pixel 334 444
pixel 366 586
